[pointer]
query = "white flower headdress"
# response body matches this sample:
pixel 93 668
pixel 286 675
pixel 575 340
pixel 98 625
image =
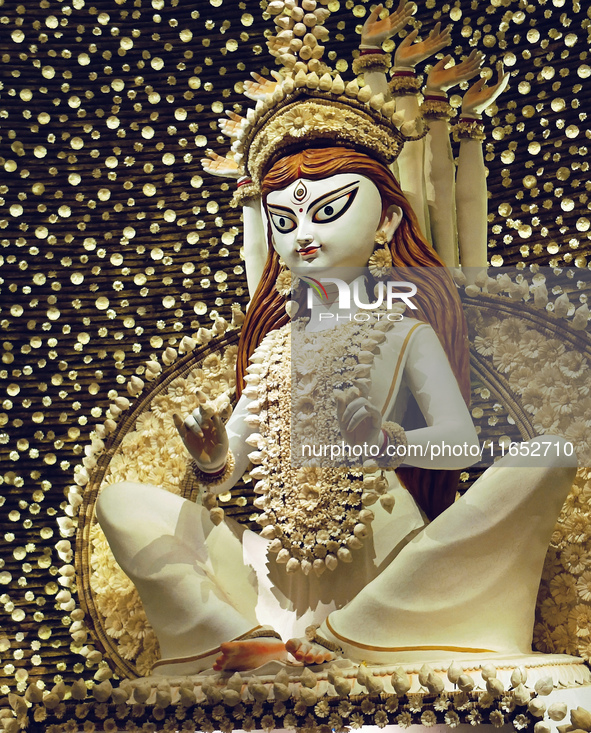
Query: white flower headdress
pixel 308 104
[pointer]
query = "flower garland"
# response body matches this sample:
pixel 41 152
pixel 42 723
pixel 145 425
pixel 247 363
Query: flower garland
pixel 314 516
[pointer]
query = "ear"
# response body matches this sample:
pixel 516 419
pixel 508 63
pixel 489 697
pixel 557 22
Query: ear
pixel 390 221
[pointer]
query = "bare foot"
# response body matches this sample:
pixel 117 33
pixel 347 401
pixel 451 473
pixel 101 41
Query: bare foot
pixel 250 653
pixel 309 652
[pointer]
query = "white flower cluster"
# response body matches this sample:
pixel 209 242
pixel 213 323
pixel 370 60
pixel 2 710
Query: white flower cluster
pixel 551 380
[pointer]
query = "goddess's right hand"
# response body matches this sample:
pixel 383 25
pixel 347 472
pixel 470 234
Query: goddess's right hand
pixel 205 437
pixel 480 96
pixel 217 165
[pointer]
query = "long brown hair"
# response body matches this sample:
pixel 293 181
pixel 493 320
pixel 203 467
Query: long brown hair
pixel 437 299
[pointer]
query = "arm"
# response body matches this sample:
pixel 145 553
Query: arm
pixel 440 185
pixel 471 204
pixel 255 241
pixel 439 162
pixel 471 193
pixel 434 386
pixel 410 165
pixel 438 396
pixel 411 160
pixel 254 224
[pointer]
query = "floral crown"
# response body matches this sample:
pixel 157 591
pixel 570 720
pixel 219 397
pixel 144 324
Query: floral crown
pixel 308 103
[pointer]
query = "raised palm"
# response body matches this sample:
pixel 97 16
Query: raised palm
pixel 480 96
pixel 231 126
pixel 375 30
pixel 260 87
pixel 217 165
pixel 441 77
pixel 410 53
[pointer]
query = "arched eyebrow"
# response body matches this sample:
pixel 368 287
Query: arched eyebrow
pixel 342 189
pixel 280 208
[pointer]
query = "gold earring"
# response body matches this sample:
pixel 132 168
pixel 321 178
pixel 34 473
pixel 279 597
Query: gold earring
pixel 286 282
pixel 283 284
pixel 380 263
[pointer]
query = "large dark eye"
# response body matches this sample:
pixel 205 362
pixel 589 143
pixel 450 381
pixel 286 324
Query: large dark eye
pixel 284 224
pixel 334 209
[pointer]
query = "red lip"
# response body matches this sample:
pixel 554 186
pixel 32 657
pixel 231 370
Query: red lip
pixel 305 251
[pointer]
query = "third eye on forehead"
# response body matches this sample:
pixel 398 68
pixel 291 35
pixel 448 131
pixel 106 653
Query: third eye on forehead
pixel 300 195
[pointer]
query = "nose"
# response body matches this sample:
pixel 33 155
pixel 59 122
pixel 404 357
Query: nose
pixel 304 236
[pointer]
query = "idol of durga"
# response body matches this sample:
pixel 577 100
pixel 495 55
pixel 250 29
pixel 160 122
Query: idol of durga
pixel 372 563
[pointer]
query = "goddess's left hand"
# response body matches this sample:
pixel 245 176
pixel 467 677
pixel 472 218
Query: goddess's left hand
pixel 480 96
pixel 441 78
pixel 360 421
pixel 410 53
pixel 376 31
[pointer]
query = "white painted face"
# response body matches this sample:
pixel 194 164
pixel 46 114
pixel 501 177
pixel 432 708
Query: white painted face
pixel 328 223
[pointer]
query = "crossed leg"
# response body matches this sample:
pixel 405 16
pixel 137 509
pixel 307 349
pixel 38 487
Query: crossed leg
pixel 195 588
pixel 468 582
